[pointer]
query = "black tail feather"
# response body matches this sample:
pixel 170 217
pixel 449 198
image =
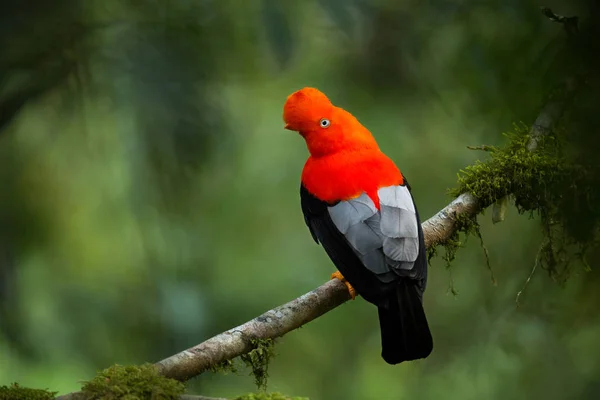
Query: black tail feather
pixel 405 334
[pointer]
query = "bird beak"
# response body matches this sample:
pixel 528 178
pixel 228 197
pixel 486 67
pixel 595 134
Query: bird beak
pixel 288 127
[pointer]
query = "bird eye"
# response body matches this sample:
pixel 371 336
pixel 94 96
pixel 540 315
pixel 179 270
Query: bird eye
pixel 325 123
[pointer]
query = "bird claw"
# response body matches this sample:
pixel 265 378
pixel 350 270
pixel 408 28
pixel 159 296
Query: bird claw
pixel 351 290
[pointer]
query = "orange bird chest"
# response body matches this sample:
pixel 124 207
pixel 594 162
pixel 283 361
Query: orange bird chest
pixel 344 176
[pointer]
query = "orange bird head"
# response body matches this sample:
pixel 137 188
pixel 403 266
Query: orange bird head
pixel 326 128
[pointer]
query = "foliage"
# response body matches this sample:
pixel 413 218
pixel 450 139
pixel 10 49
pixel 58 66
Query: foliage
pixel 131 382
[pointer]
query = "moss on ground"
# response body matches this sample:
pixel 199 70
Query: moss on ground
pixel 131 383
pixel 16 392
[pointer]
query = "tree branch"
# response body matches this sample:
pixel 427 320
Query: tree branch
pixel 570 23
pixel 283 319
pixel 272 324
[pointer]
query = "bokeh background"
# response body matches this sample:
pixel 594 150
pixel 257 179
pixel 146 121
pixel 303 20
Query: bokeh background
pixel 149 196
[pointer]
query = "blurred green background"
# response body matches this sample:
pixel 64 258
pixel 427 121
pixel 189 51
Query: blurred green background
pixel 149 196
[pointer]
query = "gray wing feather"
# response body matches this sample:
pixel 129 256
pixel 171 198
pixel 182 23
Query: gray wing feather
pixel 398 222
pixel 399 226
pixel 396 197
pixel 398 217
pixel 401 249
pixel 363 238
pixel 351 212
pixel 386 241
pixel 377 263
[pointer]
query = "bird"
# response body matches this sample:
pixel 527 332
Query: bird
pixel 359 207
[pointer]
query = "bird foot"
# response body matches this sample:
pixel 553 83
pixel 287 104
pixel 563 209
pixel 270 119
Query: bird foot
pixel 351 290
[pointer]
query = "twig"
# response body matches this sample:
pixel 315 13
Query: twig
pixel 570 23
pixel 486 253
pixel 537 261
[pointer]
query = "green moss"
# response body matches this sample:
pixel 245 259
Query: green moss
pixel 131 383
pixel 16 392
pixel 545 183
pixel 224 367
pixel 465 226
pixel 268 396
pixel 258 359
pixel 513 170
pixel 451 246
